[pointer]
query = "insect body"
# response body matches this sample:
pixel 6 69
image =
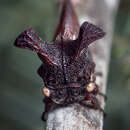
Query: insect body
pixel 67 67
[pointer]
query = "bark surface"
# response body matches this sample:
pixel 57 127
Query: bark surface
pixel 76 117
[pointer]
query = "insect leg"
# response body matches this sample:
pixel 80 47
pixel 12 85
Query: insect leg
pixel 100 93
pixel 98 74
pixel 103 95
pixel 48 103
pixel 94 104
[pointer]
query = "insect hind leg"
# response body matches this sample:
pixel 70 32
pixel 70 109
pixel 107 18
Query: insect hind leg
pixel 48 103
pixel 94 104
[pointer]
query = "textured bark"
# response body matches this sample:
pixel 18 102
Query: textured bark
pixel 76 117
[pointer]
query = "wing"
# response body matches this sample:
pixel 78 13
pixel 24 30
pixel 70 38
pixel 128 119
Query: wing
pixel 31 41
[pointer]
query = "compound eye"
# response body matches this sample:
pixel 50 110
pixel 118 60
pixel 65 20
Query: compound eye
pixel 90 87
pixel 46 92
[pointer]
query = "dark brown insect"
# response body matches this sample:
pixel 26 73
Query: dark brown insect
pixel 67 67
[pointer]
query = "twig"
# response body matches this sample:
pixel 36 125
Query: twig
pixel 76 117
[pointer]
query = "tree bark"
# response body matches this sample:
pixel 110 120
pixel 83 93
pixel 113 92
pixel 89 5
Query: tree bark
pixel 76 117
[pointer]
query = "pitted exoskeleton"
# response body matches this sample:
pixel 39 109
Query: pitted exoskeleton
pixel 67 66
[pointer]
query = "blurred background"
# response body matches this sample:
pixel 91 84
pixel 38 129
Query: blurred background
pixel 20 87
